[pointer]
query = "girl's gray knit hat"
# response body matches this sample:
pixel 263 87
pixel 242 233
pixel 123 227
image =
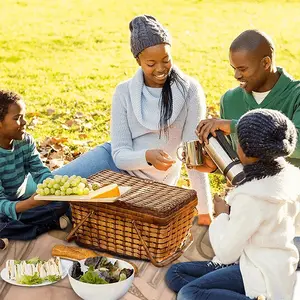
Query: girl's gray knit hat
pixel 146 31
pixel 266 134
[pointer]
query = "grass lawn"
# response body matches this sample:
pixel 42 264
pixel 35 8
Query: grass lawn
pixel 66 56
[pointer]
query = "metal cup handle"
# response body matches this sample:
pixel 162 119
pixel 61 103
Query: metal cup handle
pixel 180 158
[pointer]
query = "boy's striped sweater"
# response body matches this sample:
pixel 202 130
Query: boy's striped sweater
pixel 15 165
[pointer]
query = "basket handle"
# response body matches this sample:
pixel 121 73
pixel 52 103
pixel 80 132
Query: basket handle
pixel 73 231
pixel 168 260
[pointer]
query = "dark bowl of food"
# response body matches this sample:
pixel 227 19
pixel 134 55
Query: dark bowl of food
pixel 109 277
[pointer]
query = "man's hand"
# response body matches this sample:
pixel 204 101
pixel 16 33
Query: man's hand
pixel 220 206
pixel 159 159
pixel 205 127
pixel 207 166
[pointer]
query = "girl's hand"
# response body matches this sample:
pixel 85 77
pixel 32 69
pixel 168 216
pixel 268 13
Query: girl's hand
pixel 220 206
pixel 159 159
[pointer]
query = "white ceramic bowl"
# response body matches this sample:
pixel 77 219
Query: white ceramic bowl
pixel 110 291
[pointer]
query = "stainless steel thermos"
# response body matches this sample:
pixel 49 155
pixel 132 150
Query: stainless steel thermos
pixel 226 159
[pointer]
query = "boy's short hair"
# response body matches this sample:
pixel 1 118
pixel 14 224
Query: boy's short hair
pixel 7 98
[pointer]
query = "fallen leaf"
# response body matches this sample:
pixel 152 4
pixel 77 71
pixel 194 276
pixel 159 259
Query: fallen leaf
pixel 56 147
pixel 78 115
pixel 56 155
pixel 60 140
pixel 44 159
pixel 82 136
pixel 69 123
pixel 78 121
pixel 54 152
pixel 55 163
pixel 65 127
pixel 88 125
pixel 89 118
pixel 33 114
pixel 50 111
pixel 52 140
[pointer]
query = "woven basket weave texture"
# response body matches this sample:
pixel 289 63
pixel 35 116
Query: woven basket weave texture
pixel 162 214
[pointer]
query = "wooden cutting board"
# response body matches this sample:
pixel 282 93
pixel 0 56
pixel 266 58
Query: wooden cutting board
pixel 86 198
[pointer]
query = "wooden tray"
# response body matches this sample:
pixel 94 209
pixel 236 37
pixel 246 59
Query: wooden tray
pixel 85 198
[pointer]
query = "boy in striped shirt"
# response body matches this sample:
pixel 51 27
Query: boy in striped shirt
pixel 22 217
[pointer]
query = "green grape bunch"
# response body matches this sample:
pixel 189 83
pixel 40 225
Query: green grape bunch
pixel 65 186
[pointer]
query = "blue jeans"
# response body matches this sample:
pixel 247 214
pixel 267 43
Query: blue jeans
pixel 91 162
pixel 33 222
pixel 206 280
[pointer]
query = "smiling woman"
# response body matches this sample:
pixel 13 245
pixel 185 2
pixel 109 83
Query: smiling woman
pixel 153 113
pixel 156 62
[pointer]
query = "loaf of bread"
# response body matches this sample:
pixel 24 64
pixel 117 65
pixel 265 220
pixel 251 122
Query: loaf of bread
pixel 71 252
pixel 77 253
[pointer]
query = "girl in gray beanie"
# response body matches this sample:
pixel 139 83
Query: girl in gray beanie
pixel 153 113
pixel 255 257
pixel 265 137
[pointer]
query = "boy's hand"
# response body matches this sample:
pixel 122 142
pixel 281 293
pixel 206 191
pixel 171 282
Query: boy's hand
pixel 220 206
pixel 38 202
pixel 205 127
pixel 159 159
pixel 29 203
pixel 42 202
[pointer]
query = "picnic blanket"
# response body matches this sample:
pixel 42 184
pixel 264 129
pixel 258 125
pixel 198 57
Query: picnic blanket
pixel 148 284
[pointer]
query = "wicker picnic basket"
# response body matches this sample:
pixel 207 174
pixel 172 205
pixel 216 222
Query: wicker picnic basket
pixel 151 221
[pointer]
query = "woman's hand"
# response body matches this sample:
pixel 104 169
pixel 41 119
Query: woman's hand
pixel 159 159
pixel 220 206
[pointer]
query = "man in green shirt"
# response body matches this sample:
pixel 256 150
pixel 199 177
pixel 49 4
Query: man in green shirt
pixel 262 85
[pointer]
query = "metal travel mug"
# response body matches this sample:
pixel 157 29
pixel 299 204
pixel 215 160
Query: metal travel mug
pixel 193 153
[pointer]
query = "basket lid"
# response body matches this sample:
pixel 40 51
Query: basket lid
pixel 145 195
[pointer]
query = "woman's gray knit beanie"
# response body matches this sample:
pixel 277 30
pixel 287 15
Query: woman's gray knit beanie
pixel 146 31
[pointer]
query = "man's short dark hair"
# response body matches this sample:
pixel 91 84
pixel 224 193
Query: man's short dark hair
pixel 254 40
